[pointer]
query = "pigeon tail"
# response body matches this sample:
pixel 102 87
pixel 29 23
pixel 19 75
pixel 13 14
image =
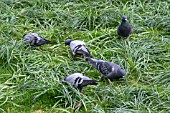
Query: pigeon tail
pixel 42 42
pixel 88 82
pixel 86 51
pixel 81 50
pixel 47 42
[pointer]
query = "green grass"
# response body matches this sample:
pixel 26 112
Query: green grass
pixel 30 77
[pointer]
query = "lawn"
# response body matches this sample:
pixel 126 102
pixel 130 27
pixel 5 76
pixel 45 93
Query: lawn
pixel 30 77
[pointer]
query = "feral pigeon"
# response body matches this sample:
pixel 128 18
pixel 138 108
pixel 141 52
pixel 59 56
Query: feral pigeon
pixel 124 28
pixel 107 69
pixel 78 47
pixel 79 81
pixel 35 40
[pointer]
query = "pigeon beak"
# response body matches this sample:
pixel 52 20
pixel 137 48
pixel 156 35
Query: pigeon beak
pixel 126 19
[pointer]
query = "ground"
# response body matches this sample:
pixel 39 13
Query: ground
pixel 30 78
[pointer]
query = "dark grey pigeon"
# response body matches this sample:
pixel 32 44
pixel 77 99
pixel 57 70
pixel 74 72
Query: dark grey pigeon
pixel 35 40
pixel 78 47
pixel 79 81
pixel 107 69
pixel 124 28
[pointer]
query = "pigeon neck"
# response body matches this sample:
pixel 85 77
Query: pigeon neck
pixel 124 21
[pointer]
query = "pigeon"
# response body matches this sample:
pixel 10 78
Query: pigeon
pixel 78 47
pixel 124 28
pixel 35 40
pixel 107 69
pixel 78 80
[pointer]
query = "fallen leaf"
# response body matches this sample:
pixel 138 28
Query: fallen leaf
pixel 39 111
pixel 77 106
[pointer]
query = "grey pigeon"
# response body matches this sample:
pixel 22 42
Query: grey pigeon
pixel 35 40
pixel 79 81
pixel 78 47
pixel 124 28
pixel 107 69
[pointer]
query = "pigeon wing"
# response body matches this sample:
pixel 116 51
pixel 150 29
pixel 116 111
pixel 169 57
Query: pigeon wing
pixel 42 41
pixel 81 49
pixel 86 51
pixel 104 67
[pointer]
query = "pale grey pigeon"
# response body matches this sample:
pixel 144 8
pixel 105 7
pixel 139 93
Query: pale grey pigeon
pixel 78 47
pixel 79 81
pixel 35 40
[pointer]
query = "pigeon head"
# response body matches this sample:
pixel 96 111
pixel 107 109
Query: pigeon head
pixel 124 18
pixel 27 38
pixel 68 41
pixel 87 59
pixel 24 35
pixel 30 37
pixel 92 61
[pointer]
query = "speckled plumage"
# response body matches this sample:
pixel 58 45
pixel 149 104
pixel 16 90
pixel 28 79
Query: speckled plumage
pixel 79 81
pixel 78 47
pixel 108 69
pixel 35 40
pixel 124 28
